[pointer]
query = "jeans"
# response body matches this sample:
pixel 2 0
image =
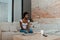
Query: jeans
pixel 25 31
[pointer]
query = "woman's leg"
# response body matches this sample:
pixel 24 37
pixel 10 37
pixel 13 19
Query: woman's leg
pixel 24 31
pixel 30 31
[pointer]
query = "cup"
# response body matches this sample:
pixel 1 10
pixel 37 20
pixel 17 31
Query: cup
pixel 42 32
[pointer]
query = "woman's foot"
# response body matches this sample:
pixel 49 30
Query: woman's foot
pixel 44 35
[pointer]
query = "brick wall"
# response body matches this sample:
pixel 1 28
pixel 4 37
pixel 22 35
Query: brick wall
pixel 45 9
pixel 47 13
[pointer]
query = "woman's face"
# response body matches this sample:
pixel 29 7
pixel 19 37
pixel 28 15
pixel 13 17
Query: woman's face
pixel 27 16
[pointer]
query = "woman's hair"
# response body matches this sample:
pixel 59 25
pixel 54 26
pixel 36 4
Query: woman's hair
pixel 24 14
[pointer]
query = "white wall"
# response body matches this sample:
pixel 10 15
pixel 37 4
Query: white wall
pixel 17 10
pixel 10 11
pixel 5 10
pixel 4 1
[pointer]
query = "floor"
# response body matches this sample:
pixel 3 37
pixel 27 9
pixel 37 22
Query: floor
pixel 36 37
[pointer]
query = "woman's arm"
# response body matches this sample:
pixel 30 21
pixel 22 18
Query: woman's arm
pixel 21 25
pixel 28 26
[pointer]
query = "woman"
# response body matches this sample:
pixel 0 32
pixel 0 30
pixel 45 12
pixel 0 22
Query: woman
pixel 25 23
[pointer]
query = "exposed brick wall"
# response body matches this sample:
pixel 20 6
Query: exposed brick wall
pixel 45 9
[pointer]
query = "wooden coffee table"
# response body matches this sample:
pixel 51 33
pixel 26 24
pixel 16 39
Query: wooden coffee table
pixel 35 37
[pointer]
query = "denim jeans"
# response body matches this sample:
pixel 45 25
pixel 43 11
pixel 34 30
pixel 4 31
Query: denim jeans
pixel 25 31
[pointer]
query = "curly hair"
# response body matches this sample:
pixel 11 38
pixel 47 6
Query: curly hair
pixel 24 14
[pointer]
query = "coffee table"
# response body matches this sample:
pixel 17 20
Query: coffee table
pixel 36 36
